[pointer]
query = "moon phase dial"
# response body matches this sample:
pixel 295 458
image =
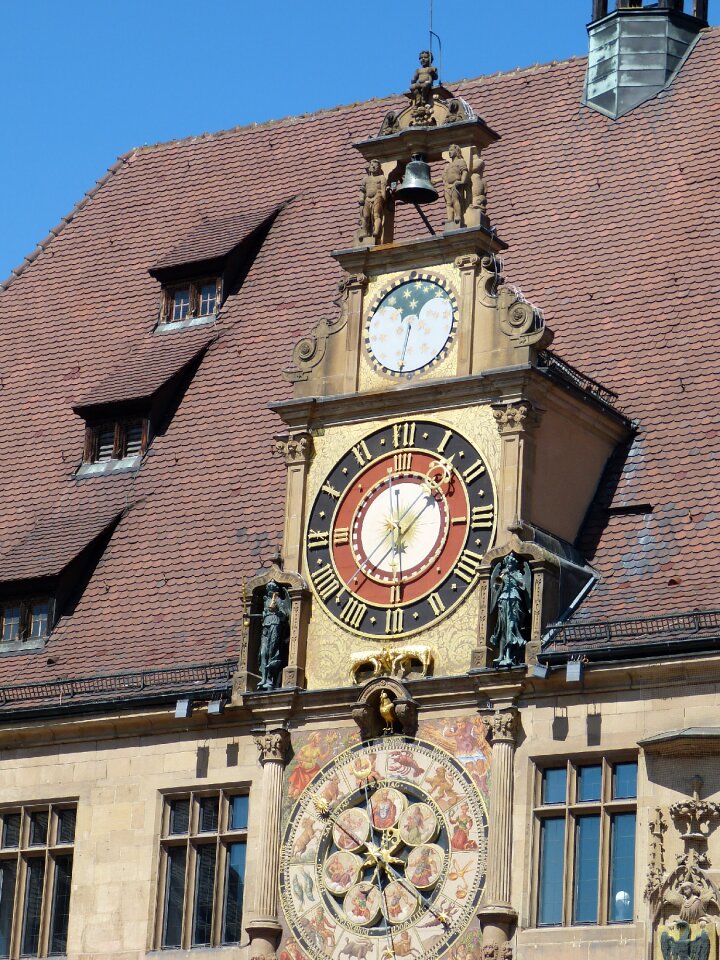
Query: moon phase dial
pixel 398 530
pixel 390 861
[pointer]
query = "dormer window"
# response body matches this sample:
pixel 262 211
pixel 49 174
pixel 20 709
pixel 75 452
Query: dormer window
pixel 24 622
pixel 122 440
pixel 190 303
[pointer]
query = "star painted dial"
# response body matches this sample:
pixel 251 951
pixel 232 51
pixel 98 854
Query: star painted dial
pixel 384 854
pixel 398 529
pixel 411 326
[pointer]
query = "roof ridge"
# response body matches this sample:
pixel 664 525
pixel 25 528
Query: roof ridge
pixel 323 111
pixel 121 162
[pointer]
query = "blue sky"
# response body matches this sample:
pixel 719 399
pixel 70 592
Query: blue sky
pixel 85 80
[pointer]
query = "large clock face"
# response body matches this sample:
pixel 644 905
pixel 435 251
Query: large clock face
pixel 398 530
pixel 412 326
pixel 384 854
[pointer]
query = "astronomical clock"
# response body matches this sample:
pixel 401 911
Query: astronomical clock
pixel 384 853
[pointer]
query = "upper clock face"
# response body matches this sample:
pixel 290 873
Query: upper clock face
pixel 412 326
pixel 398 530
pixel 384 854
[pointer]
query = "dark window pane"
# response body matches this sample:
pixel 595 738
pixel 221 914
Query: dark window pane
pixel 587 865
pixel 204 894
pixel 624 781
pixel 38 828
pixel 34 883
pixel 8 872
pixel 133 438
pixel 208 293
pixel 239 812
pixel 60 915
pixel 66 825
pixel 174 896
pixel 106 443
pixel 554 785
pixel 11 830
pixel 209 814
pixel 589 783
pixel 622 867
pixel 234 885
pixel 552 871
pixel 179 816
pixel 38 619
pixel 181 304
pixel 11 624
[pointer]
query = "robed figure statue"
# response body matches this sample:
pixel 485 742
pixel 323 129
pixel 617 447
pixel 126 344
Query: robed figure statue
pixel 274 636
pixel 510 596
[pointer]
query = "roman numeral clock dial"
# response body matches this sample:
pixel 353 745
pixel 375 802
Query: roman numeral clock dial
pixel 398 529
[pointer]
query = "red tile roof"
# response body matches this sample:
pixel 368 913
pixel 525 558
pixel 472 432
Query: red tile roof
pixel 613 231
pixel 147 367
pixel 214 237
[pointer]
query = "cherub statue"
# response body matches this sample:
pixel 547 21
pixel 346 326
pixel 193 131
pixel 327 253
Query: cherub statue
pixel 456 179
pixel 511 592
pixel 421 90
pixel 372 199
pixel 692 901
pixel 274 636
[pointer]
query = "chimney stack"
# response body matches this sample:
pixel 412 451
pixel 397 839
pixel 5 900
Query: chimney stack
pixel 637 49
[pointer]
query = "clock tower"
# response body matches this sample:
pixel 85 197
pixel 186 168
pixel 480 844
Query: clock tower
pixel 440 460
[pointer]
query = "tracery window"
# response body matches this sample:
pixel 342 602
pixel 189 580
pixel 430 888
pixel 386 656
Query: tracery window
pixel 202 869
pixel 36 859
pixel 585 842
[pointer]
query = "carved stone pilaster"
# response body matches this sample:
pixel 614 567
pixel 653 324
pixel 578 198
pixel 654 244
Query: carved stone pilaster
pixel 296 448
pixel 515 423
pixel 264 929
pixel 497 915
pixel 273 747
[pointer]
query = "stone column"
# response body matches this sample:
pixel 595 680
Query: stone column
pixel 497 915
pixel 265 930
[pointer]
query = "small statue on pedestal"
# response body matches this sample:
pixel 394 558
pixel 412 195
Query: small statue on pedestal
pixel 456 179
pixel 372 200
pixel 421 91
pixel 511 596
pixel 274 636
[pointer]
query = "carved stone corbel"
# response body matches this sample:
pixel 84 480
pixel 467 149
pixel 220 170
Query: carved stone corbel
pixel 295 448
pixel 293 674
pixel 523 323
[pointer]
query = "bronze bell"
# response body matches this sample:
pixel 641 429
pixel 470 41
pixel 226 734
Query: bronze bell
pixel 417 186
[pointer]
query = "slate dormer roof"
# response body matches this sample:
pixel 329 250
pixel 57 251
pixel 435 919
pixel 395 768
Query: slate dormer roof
pixel 613 232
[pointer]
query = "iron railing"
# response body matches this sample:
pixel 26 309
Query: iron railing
pixel 610 631
pixel 550 361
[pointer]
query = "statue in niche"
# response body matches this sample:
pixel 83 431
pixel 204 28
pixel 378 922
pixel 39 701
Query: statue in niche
pixel 456 179
pixel 421 91
pixel 511 597
pixel 372 200
pixel 479 190
pixel 274 636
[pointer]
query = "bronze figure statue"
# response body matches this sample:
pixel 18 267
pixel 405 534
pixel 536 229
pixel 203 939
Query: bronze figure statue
pixel 274 636
pixel 456 179
pixel 511 593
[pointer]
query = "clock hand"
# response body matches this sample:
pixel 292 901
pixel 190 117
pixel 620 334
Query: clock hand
pixel 399 531
pixel 443 918
pixel 405 343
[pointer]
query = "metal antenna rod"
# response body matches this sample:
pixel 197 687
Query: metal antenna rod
pixel 439 42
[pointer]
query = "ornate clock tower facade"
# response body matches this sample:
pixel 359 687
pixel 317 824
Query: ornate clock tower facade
pixel 440 461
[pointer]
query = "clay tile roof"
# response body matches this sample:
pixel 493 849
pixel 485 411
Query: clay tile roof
pixel 56 540
pixel 612 229
pixel 214 238
pixel 145 370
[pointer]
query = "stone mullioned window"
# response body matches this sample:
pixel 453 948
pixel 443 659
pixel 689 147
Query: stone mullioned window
pixel 202 869
pixel 36 858
pixel 585 842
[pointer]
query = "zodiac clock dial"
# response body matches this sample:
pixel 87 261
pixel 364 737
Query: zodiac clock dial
pixel 384 854
pixel 398 529
pixel 412 326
